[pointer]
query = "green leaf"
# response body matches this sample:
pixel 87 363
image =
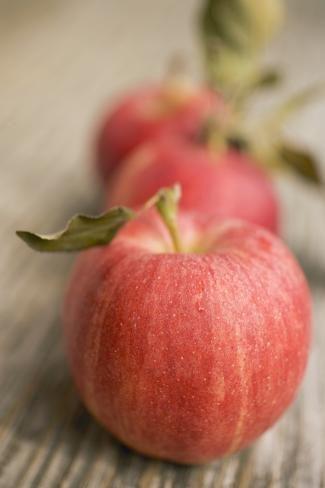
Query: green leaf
pixel 222 22
pixel 268 79
pixel 234 34
pixel 300 162
pixel 81 232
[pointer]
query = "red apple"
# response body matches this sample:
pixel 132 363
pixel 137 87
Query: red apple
pixel 229 183
pixel 172 108
pixel 188 356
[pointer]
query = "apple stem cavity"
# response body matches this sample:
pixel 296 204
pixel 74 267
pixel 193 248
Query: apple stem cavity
pixel 83 232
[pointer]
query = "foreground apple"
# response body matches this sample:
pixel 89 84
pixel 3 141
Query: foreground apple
pixel 227 183
pixel 185 345
pixel 173 107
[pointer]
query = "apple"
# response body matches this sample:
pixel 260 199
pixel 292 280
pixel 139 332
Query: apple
pixel 191 356
pixel 226 183
pixel 173 107
pixel 186 340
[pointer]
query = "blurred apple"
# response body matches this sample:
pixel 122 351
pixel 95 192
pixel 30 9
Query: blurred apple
pixel 226 183
pixel 173 107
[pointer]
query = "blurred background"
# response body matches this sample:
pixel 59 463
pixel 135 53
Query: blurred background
pixel 61 63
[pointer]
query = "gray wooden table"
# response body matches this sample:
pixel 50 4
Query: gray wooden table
pixel 59 61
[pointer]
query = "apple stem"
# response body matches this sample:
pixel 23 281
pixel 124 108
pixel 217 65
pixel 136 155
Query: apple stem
pixel 166 204
pixel 213 135
pixel 174 233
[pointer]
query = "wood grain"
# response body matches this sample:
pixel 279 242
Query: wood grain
pixel 60 61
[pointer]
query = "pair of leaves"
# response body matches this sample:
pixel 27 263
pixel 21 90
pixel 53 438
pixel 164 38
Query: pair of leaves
pixel 84 232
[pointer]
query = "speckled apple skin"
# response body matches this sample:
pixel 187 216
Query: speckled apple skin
pixel 144 114
pixel 230 184
pixel 188 357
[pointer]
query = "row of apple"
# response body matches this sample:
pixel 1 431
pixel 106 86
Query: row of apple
pixel 187 324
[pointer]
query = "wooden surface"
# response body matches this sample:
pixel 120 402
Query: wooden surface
pixel 59 61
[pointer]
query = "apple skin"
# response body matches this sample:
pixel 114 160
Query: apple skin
pixel 188 356
pixel 228 184
pixel 170 108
